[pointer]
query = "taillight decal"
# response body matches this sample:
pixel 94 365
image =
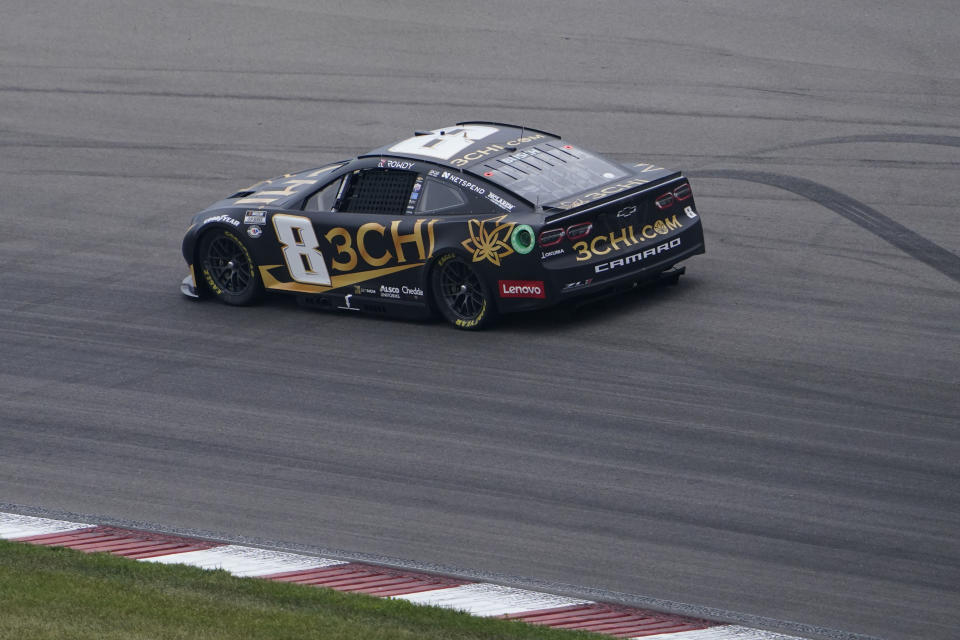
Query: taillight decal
pixel 665 201
pixel 581 230
pixel 550 237
pixel 682 192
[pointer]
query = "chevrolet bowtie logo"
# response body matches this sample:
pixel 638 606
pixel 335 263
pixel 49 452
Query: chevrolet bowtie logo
pixel 626 212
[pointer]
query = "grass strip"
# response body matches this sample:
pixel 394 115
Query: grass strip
pixel 59 593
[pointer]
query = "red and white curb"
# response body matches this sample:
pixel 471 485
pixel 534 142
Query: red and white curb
pixel 477 598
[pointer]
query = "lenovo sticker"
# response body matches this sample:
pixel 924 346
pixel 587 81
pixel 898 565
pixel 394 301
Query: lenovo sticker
pixel 522 289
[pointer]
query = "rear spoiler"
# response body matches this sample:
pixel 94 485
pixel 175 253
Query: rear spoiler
pixel 605 195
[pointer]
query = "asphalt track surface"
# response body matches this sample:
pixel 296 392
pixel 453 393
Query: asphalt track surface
pixel 776 436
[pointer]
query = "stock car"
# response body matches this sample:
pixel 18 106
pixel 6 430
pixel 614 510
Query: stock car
pixel 471 221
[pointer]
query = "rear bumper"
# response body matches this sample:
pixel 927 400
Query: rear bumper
pixel 670 276
pixel 585 282
pixel 594 279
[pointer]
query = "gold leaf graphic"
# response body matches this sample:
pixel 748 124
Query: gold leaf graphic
pixel 489 239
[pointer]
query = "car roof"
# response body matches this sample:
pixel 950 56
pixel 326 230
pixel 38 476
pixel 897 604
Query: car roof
pixel 530 164
pixel 464 143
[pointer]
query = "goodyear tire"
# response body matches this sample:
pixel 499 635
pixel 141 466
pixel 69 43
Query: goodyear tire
pixel 228 269
pixel 460 295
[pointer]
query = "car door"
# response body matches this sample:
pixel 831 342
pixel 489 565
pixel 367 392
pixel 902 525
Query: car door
pixel 358 228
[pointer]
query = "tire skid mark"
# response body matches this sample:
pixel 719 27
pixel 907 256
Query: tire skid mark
pixel 592 109
pixel 887 229
pixel 898 138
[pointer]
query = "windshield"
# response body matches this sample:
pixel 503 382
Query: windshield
pixel 550 171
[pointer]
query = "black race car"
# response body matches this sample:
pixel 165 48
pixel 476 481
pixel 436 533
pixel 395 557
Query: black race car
pixel 473 220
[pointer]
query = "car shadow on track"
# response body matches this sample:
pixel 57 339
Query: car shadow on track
pixel 561 318
pixel 570 315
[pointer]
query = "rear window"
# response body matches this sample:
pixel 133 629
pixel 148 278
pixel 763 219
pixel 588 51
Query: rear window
pixel 550 171
pixel 440 197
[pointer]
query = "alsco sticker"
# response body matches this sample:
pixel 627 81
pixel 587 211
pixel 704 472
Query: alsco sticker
pixel 521 289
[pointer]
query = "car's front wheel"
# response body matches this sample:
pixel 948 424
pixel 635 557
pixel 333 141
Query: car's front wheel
pixel 460 295
pixel 228 268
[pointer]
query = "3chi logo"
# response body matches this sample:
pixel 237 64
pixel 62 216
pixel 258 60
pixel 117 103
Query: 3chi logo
pixel 489 239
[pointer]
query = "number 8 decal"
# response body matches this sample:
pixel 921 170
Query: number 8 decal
pixel 300 249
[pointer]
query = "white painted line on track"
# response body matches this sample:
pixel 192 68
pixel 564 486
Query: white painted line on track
pixel 246 561
pixel 13 525
pixel 489 599
pixel 723 632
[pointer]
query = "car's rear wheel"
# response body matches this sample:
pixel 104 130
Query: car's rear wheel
pixel 228 269
pixel 460 295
